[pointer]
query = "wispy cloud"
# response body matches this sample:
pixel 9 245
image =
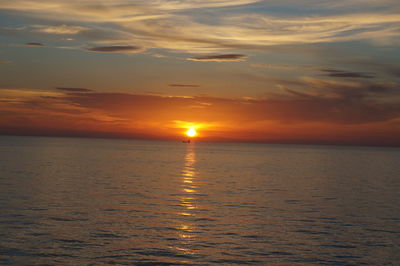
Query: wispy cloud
pixel 179 85
pixel 34 44
pixel 270 66
pixel 164 24
pixel 59 29
pixel 219 58
pixel 330 72
pixel 115 10
pixel 68 89
pixel 336 73
pixel 115 48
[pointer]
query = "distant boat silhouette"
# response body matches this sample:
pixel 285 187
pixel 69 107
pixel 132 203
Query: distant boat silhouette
pixel 186 141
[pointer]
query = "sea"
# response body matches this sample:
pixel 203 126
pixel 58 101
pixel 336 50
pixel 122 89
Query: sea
pixel 80 201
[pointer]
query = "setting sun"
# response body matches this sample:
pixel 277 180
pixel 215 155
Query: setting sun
pixel 191 132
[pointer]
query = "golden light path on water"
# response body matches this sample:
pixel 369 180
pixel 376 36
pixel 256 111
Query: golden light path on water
pixel 188 200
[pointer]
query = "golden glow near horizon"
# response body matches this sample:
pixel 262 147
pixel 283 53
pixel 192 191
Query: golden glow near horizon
pixel 191 132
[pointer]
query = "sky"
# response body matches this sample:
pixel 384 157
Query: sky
pixel 288 71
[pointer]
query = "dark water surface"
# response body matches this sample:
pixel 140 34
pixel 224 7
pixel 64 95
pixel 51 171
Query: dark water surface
pixel 83 201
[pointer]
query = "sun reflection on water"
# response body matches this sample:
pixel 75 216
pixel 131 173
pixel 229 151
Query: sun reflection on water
pixel 189 186
pixel 187 200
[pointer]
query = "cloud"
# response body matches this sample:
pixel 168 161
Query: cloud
pixel 37 44
pixel 59 29
pixel 183 85
pixel 219 58
pixel 2 62
pixel 115 48
pixel 393 70
pixel 173 25
pixel 115 10
pixel 269 66
pixel 384 67
pixel 325 101
pixel 347 74
pixel 330 72
pixel 73 89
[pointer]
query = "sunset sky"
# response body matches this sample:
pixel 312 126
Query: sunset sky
pixel 288 71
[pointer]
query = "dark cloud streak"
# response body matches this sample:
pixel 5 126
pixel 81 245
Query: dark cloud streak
pixel 336 73
pixel 37 44
pixel 183 85
pixel 219 58
pixel 73 89
pixel 115 48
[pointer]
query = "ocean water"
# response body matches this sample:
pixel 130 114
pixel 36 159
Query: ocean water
pixel 70 201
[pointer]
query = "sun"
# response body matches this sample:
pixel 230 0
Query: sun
pixel 191 132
